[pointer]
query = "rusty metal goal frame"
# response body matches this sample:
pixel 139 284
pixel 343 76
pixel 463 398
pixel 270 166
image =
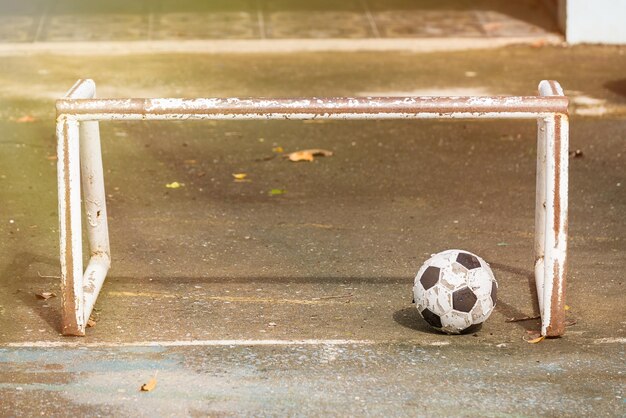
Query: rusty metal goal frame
pixel 79 158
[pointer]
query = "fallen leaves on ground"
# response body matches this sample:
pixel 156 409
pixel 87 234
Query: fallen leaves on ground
pixel 174 185
pixel 26 119
pixel 240 177
pixel 91 322
pixel 45 295
pixel 150 385
pixel 308 154
pixel 276 192
pixel 536 340
pixel 538 43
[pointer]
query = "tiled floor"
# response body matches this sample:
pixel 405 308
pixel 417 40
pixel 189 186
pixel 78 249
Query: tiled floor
pixel 122 20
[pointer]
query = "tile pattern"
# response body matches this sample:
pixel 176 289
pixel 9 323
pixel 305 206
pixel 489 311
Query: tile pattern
pixel 428 23
pixel 216 25
pixel 321 24
pixel 17 28
pixel 88 27
pixel 118 20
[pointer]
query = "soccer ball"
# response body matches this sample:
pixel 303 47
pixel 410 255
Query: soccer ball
pixel 455 290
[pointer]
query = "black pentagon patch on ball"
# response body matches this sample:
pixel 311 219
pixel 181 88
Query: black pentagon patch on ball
pixel 463 300
pixel 494 293
pixel 467 260
pixel 430 277
pixel 432 318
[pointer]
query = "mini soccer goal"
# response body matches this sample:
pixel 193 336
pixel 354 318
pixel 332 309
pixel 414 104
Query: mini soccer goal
pixel 80 159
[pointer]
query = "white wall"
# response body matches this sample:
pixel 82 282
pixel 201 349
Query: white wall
pixel 595 21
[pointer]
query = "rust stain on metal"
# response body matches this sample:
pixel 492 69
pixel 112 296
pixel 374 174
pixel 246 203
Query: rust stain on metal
pixel 553 87
pixel 556 328
pixel 70 325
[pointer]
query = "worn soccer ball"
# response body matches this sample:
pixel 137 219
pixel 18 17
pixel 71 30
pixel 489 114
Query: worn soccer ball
pixel 455 290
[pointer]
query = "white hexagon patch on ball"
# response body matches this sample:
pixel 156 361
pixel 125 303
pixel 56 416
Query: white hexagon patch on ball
pixel 455 290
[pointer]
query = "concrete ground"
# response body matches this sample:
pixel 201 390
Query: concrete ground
pixel 247 303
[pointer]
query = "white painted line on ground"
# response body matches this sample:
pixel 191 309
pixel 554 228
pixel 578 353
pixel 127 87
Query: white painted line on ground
pixel 203 343
pixel 610 341
pixel 240 343
pixel 264 46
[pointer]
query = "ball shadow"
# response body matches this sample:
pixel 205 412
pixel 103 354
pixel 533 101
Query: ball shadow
pixel 410 318
pixel 17 281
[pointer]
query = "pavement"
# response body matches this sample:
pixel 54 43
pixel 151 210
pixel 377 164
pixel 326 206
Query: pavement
pixel 240 301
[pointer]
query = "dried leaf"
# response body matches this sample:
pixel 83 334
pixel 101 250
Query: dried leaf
pixel 190 162
pixel 536 340
pixel 147 387
pixel 567 308
pixel 570 322
pixel 276 192
pixel 25 119
pixel 240 177
pixel 308 154
pixel 45 295
pixel 174 185
pixel 91 322
pixel 538 43
pixel 278 150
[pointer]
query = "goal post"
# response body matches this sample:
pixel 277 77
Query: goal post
pixel 80 160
